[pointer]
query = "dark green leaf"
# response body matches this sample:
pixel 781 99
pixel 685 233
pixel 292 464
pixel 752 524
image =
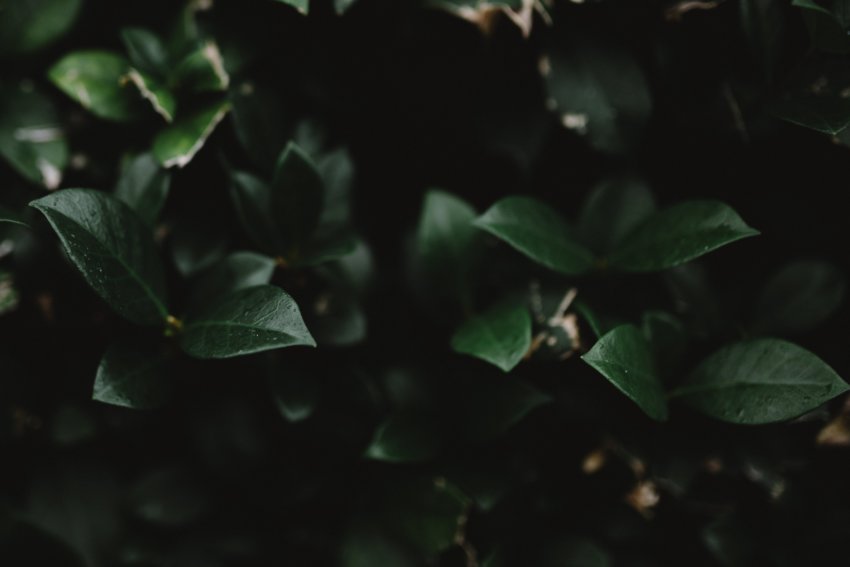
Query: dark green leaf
pixel 252 201
pixel 537 231
pixel 32 139
pixel 250 320
pixel 612 210
pixel 760 381
pixel 500 336
pixel 27 25
pixel 667 337
pixel 146 50
pixel 134 374
pixel 322 251
pixel 366 546
pixel 98 81
pixel 144 185
pixel 160 98
pixel 260 124
pixel 238 270
pixel 9 296
pixel 11 217
pixel 336 318
pixel 113 249
pixel 405 438
pixel 197 245
pixel 798 298
pixel 202 70
pixel 342 6
pixel 179 142
pixel 679 234
pixel 168 497
pixel 500 406
pixel 574 552
pixel 624 357
pixel 297 199
pixel 302 6
pixel 821 112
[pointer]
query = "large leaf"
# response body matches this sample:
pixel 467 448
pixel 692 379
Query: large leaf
pixel 27 25
pixel 612 210
pixel 537 231
pixel 624 357
pixel 97 80
pixel 500 335
pixel 760 381
pixel 679 234
pixel 113 249
pixel 297 198
pixel 250 320
pixel 32 139
pixel 446 241
pixel 798 298
pixel 178 143
pixel 134 374
pixel 144 185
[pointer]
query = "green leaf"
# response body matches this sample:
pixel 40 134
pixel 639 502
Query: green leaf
pixel 28 25
pixel 679 234
pixel 826 113
pixel 539 232
pixel 197 244
pixel 302 6
pixel 297 199
pixel 447 242
pixel 252 200
pixel 799 298
pixel 342 6
pixel 366 546
pixel 405 437
pixel 97 80
pixel 112 248
pixel 760 381
pixel 612 210
pixel 9 296
pixel 236 271
pixel 322 251
pixel 250 320
pixel 202 70
pixel 624 357
pixel 134 374
pixel 32 139
pixel 144 185
pixel 12 217
pixel 295 391
pixel 667 337
pixel 501 336
pixel 146 50
pixel 160 98
pixel 178 143
pixel 260 123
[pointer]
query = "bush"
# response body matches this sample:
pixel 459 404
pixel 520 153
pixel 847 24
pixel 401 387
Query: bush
pixel 396 284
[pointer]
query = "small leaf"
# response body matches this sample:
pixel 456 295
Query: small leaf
pixel 144 185
pixel 342 6
pixel 295 392
pixel 113 250
pixel 250 320
pixel 302 6
pixel 236 271
pixel 146 50
pixel 97 80
pixel 32 24
pixel 624 357
pixel 405 438
pixel 678 235
pixel 799 298
pixel 134 374
pixel 161 99
pixel 500 336
pixel 447 239
pixel 760 381
pixel 612 210
pixel 32 138
pixel 202 70
pixel 178 143
pixel 297 198
pixel 537 231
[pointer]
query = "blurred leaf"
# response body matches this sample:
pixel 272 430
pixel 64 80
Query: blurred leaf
pixel 197 245
pixel 28 25
pixel 143 186
pixel 134 374
pixel 446 241
pixel 295 391
pixel 342 6
pixel 760 381
pixel 12 217
pixel 322 251
pixel 177 144
pixel 500 406
pixel 252 200
pixel 501 336
pixel 146 50
pixel 624 357
pixel 250 320
pixel 24 544
pixel 236 271
pixel 612 210
pixel 98 81
pixel 336 317
pixel 679 234
pixel 667 337
pixel 798 298
pixel 599 92
pixel 763 22
pixel 9 295
pixel 405 438
pixel 297 199
pixel 259 122
pixel 32 138
pixel 368 546
pixel 538 231
pixel 160 98
pixel 575 552
pixel 113 250
pixel 202 70
pixel 302 6
pixel 168 497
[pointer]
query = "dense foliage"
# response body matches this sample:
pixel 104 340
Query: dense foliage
pixel 414 283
